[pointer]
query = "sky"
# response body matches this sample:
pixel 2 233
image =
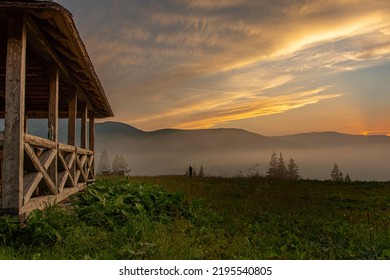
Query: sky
pixel 272 67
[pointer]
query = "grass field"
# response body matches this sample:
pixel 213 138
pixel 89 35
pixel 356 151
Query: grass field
pixel 175 217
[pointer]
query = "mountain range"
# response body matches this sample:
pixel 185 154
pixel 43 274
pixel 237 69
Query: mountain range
pixel 234 151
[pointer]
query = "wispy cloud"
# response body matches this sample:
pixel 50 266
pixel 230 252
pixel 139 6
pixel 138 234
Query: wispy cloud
pixel 201 63
pixel 215 110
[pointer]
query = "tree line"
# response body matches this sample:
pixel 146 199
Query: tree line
pixel 119 164
pixel 277 168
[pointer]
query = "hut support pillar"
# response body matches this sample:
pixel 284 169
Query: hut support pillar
pixel 92 140
pixel 53 119
pixel 12 194
pixel 84 115
pixel 72 116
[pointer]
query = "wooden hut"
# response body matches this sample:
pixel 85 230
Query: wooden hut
pixel 45 73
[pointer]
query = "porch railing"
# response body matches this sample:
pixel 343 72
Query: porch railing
pixel 52 171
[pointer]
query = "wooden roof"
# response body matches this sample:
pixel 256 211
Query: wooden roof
pixel 52 36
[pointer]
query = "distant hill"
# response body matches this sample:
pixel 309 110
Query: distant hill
pixel 234 151
pixel 174 140
pixel 335 139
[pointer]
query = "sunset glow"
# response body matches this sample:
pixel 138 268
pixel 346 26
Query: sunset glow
pixel 272 67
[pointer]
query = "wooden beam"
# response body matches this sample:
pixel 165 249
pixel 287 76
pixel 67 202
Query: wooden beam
pixel 12 193
pixel 42 167
pixel 40 142
pixel 91 131
pixel 53 118
pixel 92 142
pixel 39 42
pixel 72 116
pixel 53 104
pixel 31 180
pixel 43 114
pixel 42 201
pixel 84 115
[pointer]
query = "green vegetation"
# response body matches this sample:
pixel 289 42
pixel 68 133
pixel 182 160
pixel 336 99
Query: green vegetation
pixel 175 217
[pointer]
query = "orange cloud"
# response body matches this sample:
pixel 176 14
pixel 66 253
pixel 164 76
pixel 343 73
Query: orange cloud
pixel 201 63
pixel 208 113
pixel 376 132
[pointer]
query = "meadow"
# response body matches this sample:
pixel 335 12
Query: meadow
pixel 176 217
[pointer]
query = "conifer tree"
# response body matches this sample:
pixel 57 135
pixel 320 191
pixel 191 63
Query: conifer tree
pixel 281 168
pixel 104 162
pixel 119 164
pixel 347 178
pixel 293 170
pixel 272 171
pixel 336 175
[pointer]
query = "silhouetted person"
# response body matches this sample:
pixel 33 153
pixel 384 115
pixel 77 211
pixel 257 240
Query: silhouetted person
pixel 190 169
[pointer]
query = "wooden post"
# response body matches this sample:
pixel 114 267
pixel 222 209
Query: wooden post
pixel 84 115
pixel 53 118
pixel 92 139
pixel 12 194
pixel 91 131
pixel 72 119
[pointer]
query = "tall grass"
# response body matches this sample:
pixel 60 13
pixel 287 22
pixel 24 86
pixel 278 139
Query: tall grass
pixel 174 217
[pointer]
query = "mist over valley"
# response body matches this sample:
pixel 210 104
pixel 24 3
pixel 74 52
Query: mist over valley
pixel 230 152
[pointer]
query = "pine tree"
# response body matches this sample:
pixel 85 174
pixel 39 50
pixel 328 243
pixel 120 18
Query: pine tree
pixel 281 169
pixel 119 164
pixel 336 175
pixel 347 178
pixel 104 162
pixel 293 170
pixel 115 163
pixel 272 171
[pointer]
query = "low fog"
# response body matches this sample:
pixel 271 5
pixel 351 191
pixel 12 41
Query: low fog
pixel 232 152
pixel 171 152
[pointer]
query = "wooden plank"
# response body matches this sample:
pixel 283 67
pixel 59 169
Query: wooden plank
pixel 12 193
pixel 72 116
pixel 39 42
pixel 80 165
pixel 91 131
pixel 67 169
pixel 42 202
pixel 63 176
pixel 42 168
pixel 53 104
pixel 77 176
pixel 90 171
pixel 53 118
pixel 84 113
pixel 92 143
pixel 81 151
pixel 70 158
pixel 66 148
pixel 39 142
pixel 31 181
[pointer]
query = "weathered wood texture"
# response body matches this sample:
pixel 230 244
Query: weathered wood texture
pixel 55 39
pixel 92 141
pixel 72 116
pixel 84 115
pixel 12 193
pixel 53 120
pixel 46 74
pixel 43 201
pixel 74 166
